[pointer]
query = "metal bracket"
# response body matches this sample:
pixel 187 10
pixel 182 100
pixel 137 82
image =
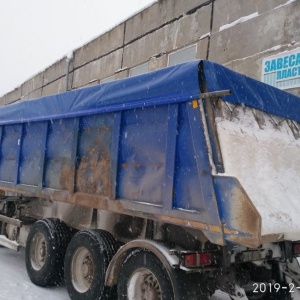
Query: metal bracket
pixel 214 94
pixel 11 221
pixel 5 242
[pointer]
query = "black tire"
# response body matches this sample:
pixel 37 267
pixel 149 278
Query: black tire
pixel 89 251
pixel 46 246
pixel 146 271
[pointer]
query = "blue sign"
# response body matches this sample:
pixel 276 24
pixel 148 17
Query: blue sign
pixel 282 70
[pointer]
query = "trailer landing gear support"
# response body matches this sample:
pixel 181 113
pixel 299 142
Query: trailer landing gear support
pixel 45 250
pixel 143 276
pixel 88 256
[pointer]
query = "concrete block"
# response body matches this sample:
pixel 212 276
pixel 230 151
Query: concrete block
pixel 252 66
pixel 228 11
pixel 257 35
pixel 156 15
pixel 202 46
pixel 100 46
pixel 2 100
pixel 192 27
pixel 98 69
pixel 13 96
pixel 294 91
pixel 56 87
pixel 183 6
pixel 58 69
pixel 155 43
pixel 265 6
pixel 160 62
pixel 32 84
pixel 96 82
pixel 33 95
pixel 122 73
pixel 71 77
pixel 176 35
pixel 93 83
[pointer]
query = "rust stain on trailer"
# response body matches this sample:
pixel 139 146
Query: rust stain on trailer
pixel 67 177
pixel 196 225
pixel 93 171
pixel 238 212
pixel 120 207
pixel 244 215
pixel 248 242
pixel 99 202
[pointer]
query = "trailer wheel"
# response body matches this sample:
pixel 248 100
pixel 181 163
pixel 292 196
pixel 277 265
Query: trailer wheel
pixel 45 250
pixel 143 276
pixel 88 256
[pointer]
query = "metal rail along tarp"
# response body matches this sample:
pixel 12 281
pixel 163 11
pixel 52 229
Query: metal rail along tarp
pixel 139 146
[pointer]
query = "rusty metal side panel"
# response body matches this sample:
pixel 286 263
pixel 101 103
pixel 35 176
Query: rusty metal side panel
pixel 60 153
pixel 237 213
pixel 94 155
pixel 142 157
pixel 10 150
pixel 32 153
pixel 82 152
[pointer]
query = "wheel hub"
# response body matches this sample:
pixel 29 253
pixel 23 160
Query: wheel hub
pixel 38 251
pixel 150 288
pixel 87 269
pixel 43 251
pixel 143 285
pixel 82 270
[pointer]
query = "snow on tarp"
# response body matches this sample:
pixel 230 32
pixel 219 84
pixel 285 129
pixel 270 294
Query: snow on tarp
pixel 170 85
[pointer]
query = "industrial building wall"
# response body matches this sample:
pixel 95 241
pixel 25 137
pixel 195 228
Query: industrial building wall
pixel 240 34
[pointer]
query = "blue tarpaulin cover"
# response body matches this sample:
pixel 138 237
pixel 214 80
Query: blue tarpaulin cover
pixel 251 92
pixel 170 85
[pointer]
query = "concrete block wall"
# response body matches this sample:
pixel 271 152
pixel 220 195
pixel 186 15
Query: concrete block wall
pixel 236 33
pixel 243 47
pixel 172 36
pixel 97 69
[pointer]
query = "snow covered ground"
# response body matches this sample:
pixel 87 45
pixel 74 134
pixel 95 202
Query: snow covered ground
pixel 15 284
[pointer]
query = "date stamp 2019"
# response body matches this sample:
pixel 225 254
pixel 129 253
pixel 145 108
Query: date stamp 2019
pixel 274 287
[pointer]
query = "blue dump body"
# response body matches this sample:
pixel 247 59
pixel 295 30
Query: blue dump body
pixel 137 146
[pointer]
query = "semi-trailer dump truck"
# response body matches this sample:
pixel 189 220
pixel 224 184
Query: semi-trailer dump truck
pixel 167 185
